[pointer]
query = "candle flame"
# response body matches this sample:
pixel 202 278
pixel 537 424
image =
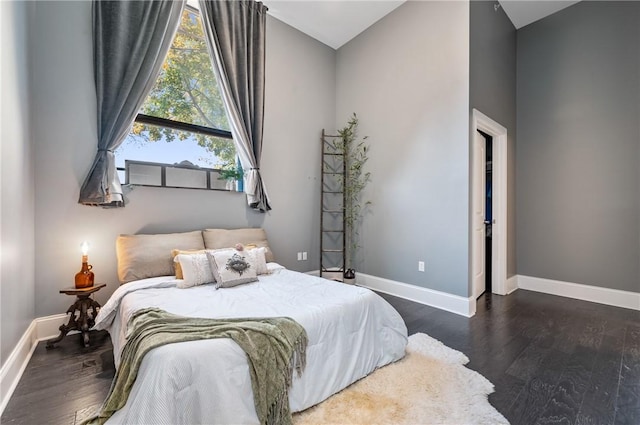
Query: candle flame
pixel 85 247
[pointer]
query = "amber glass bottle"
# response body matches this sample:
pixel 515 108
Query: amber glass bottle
pixel 84 278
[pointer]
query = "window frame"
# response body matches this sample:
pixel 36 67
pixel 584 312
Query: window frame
pixel 181 126
pixel 208 172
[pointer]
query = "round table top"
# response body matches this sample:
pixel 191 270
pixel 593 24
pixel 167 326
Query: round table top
pixel 83 291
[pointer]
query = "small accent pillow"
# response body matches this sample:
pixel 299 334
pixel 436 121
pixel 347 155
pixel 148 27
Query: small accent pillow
pixel 195 270
pixel 258 259
pixel 176 263
pixel 231 268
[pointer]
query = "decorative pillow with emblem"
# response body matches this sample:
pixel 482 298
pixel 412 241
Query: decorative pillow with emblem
pixel 231 268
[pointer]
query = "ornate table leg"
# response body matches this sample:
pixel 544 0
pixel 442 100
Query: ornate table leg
pixel 94 307
pixel 83 319
pixel 88 309
pixel 65 329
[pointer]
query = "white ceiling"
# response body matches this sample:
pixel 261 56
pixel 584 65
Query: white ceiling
pixel 332 22
pixel 336 22
pixel 524 12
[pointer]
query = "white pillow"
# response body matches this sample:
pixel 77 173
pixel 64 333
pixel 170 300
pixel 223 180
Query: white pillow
pixel 231 268
pixel 176 264
pixel 257 257
pixel 195 270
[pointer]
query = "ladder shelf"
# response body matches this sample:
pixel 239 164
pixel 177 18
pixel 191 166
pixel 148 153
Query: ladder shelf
pixel 333 168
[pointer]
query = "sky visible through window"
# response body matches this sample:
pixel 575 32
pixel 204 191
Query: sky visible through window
pixel 165 152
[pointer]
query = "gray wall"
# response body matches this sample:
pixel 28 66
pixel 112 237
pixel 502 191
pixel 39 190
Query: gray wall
pixel 16 179
pixel 492 91
pixel 300 101
pixel 578 147
pixel 407 78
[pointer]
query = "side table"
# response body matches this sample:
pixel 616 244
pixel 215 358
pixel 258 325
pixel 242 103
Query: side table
pixel 83 305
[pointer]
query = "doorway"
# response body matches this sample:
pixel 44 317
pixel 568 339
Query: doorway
pixel 488 206
pixel 488 220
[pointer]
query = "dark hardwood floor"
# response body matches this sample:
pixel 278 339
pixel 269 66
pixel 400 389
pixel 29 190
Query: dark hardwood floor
pixel 552 360
pixel 59 382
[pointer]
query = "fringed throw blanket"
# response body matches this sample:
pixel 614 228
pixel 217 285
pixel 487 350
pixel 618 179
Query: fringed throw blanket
pixel 274 348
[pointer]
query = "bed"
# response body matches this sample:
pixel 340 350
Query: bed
pixel 351 331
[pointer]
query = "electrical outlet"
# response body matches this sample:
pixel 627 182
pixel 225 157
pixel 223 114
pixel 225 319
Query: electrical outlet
pixel 304 256
pixel 420 266
pixel 299 256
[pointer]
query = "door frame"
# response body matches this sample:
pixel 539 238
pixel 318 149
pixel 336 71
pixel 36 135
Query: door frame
pixel 480 121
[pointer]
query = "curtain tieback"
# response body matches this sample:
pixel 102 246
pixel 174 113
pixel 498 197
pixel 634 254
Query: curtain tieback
pixel 105 150
pixel 256 169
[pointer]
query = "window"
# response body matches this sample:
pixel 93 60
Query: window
pixel 181 135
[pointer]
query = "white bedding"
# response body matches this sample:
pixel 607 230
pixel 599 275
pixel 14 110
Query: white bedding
pixel 351 331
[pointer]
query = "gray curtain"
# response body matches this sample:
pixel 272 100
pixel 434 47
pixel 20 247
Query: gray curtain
pixel 131 40
pixel 235 32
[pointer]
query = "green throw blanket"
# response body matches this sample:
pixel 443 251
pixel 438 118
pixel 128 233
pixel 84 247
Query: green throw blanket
pixel 274 347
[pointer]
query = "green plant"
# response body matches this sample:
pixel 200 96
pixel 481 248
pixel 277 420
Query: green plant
pixel 355 180
pixel 231 174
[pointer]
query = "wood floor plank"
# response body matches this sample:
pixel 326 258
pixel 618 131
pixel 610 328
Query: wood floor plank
pixel 507 389
pixel 599 403
pixel 500 357
pixel 564 404
pixel 541 368
pixel 628 399
pixel 628 405
pixel 630 370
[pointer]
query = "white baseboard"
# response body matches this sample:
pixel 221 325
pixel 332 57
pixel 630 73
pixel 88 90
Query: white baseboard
pixel 15 365
pixel 512 284
pixel 40 329
pixel 49 326
pixel 442 300
pixel 596 294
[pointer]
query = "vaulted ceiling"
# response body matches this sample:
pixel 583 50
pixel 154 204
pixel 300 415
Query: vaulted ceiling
pixel 335 23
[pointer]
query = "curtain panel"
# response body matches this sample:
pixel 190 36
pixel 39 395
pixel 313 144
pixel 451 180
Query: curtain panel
pixel 131 40
pixel 235 33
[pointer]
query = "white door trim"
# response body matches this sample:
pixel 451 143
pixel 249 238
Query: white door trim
pixel 478 215
pixel 480 121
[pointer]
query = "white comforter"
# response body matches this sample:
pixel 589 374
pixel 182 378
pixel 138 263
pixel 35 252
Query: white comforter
pixel 351 331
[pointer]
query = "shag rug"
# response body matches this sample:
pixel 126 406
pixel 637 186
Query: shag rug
pixel 429 385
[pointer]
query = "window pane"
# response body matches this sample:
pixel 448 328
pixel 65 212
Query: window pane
pixel 198 149
pixel 219 183
pixel 187 90
pixel 149 175
pixel 185 177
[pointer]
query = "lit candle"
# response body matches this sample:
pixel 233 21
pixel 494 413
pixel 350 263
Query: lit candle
pixel 84 247
pixel 84 278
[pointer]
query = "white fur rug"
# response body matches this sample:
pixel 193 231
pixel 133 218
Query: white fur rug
pixel 429 385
